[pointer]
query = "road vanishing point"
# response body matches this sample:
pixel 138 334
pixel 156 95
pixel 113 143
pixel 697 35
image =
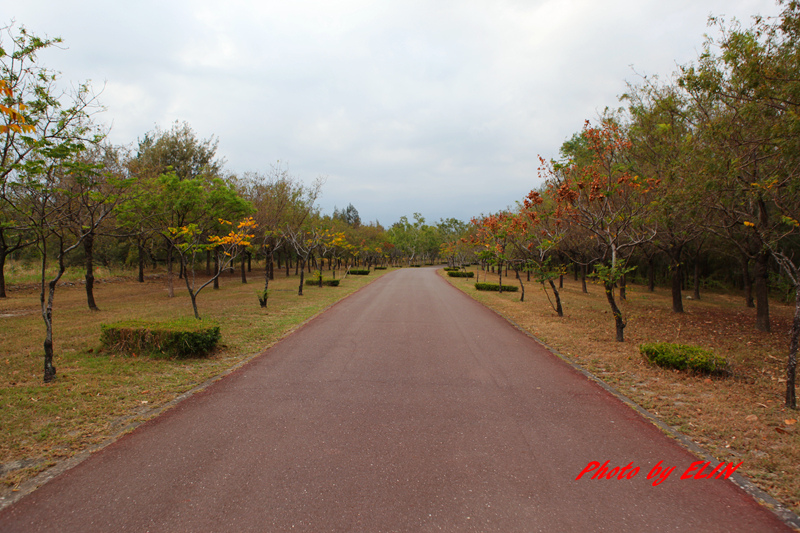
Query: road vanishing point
pixel 405 407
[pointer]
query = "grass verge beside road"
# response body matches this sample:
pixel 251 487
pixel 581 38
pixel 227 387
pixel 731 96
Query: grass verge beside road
pixel 97 393
pixel 736 418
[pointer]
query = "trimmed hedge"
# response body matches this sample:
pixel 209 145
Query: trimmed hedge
pixel 379 268
pixel 455 274
pixel 451 269
pixel 325 282
pixel 178 338
pixel 359 271
pixel 495 287
pixel 683 357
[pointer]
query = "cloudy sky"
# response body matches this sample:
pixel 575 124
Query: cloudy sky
pixel 436 107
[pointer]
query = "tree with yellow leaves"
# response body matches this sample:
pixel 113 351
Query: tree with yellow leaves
pixel 191 240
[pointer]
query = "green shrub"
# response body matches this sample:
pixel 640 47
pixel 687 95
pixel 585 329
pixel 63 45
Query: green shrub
pixel 379 268
pixel 359 271
pixel 683 357
pixel 416 266
pixel 451 269
pixel 495 287
pixel 325 282
pixel 456 274
pixel 178 338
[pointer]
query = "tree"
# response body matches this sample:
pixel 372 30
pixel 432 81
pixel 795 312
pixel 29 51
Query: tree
pixel 95 187
pixel 348 215
pixel 192 239
pixel 305 240
pixel 282 203
pixel 538 232
pixel 37 161
pixel 492 233
pixel 178 149
pixel 176 152
pixel 608 202
pixel 414 238
pixel 663 146
pixel 13 123
pixel 755 90
pixel 745 128
pixel 30 114
pixel 45 196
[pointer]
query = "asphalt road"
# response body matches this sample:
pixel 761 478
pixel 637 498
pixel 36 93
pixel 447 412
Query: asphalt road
pixel 405 407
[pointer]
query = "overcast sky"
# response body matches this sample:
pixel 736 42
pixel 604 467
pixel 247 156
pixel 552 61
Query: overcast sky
pixel 436 107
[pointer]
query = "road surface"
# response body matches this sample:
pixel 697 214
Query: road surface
pixel 405 407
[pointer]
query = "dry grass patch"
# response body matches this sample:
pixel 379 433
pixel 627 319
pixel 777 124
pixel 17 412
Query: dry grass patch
pixel 737 418
pixel 97 393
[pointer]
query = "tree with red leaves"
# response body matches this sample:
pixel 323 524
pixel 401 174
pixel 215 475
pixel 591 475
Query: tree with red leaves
pixel 602 197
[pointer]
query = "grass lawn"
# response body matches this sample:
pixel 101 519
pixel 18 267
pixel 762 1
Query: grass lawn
pixel 736 418
pixel 97 394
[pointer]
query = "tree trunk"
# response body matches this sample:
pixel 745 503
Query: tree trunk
pixel 748 282
pixel 559 310
pixel 262 299
pixel 791 366
pixel 677 296
pixel 302 276
pixel 623 286
pixel 192 294
pixel 88 249
pixel 762 292
pixel 676 254
pixel 170 274
pixel 47 313
pixel 500 274
pixel 140 250
pixel 583 279
pixel 618 321
pixel 521 286
pixel 2 272
pixel 249 261
pixel 696 282
pixel 216 270
pixel 561 281
pixel 244 274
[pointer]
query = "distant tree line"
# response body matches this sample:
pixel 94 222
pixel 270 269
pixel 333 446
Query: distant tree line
pixel 70 198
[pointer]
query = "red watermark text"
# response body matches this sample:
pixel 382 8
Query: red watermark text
pixel 659 473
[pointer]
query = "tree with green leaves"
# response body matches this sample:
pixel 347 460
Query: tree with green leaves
pixel 663 146
pixel 749 92
pixel 163 160
pixel 36 114
pixel 414 239
pixel 99 183
pixel 282 204
pixel 349 215
pixel 747 131
pixel 38 163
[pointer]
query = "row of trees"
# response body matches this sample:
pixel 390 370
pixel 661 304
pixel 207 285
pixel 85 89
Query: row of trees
pixel 65 191
pixel 706 163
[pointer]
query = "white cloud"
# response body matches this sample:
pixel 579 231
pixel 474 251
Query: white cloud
pixel 436 107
